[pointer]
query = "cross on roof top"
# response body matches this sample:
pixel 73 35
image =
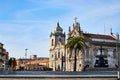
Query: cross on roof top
pixel 75 19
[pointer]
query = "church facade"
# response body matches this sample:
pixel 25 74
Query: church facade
pixel 100 50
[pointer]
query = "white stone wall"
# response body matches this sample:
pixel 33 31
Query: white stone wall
pixel 70 57
pixel 56 57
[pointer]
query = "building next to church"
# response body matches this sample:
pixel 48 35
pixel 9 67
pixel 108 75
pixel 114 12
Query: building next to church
pixel 37 65
pixel 98 46
pixel 4 57
pixel 32 63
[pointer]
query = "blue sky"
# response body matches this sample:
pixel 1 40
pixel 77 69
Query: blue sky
pixel 28 23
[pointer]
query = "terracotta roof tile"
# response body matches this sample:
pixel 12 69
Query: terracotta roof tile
pixel 99 36
pixel 38 61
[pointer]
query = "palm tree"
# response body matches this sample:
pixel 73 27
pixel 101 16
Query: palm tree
pixel 76 43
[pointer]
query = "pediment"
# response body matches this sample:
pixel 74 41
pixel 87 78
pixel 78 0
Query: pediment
pixel 75 33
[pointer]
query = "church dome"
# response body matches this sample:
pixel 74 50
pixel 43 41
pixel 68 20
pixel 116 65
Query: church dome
pixel 58 28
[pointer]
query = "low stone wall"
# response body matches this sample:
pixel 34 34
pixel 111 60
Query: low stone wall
pixel 58 77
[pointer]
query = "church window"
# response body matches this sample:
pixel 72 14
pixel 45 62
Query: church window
pixel 0 50
pixel 70 55
pixel 52 55
pixel 87 53
pixel 55 56
pixel 52 42
pixel 80 65
pixel 58 54
pixel 60 40
pixel 114 54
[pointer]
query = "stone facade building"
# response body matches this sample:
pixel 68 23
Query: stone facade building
pixel 57 48
pixel 97 45
pixel 4 57
pixel 32 63
pixel 37 65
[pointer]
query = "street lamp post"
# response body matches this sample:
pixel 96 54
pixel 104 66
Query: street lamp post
pixel 26 53
pixel 30 64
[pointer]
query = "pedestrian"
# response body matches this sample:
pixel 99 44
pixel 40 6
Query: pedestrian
pixel 86 66
pixel 10 64
pixel 14 63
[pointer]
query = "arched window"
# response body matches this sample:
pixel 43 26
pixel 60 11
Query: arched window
pixel 60 39
pixel 58 54
pixel 55 56
pixel 52 42
pixel 52 56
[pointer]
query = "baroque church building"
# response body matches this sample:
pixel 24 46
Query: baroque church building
pixel 99 51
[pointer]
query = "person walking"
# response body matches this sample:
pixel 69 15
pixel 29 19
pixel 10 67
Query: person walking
pixel 10 64
pixel 14 64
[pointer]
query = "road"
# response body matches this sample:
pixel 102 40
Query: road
pixel 57 73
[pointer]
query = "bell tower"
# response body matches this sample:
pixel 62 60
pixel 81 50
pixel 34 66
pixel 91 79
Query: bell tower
pixel 57 36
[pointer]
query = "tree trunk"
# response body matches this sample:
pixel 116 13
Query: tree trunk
pixel 75 61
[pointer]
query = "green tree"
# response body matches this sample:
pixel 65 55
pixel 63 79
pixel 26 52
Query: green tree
pixel 75 43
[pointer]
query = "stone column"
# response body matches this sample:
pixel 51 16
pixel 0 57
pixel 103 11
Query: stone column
pixel 106 51
pixel 85 58
pixel 87 54
pixel 111 60
pixel 91 57
pixel 80 61
pixel 95 51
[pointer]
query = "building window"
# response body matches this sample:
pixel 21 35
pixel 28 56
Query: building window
pixel 55 56
pixel 52 42
pixel 0 50
pixel 60 39
pixel 58 54
pixel 52 56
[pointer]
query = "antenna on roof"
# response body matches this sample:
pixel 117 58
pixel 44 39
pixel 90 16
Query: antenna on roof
pixel 104 28
pixel 111 33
